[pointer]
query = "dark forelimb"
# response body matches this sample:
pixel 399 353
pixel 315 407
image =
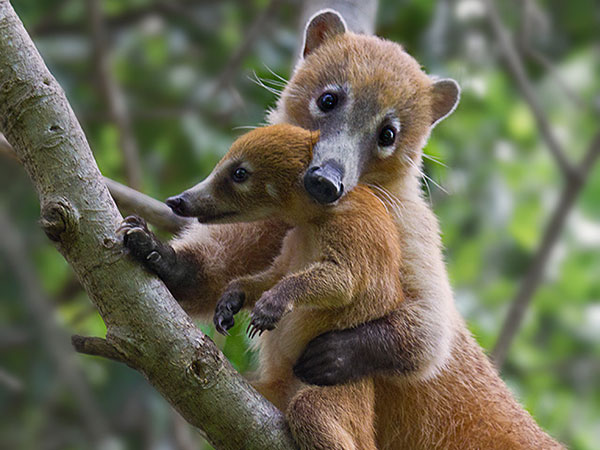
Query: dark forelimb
pixel 383 345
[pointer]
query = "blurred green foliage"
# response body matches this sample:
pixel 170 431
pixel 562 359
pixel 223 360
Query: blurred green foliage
pixel 167 58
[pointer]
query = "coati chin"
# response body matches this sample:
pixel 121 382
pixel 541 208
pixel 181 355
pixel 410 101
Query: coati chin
pixel 374 109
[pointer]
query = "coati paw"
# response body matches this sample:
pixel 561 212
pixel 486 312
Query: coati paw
pixel 329 360
pixel 228 306
pixel 141 242
pixel 266 313
pixel 136 236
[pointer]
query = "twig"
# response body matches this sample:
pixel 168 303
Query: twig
pixel 531 18
pixel 96 347
pixel 538 264
pixel 113 96
pixel 13 337
pixel 543 61
pixel 154 211
pixel 517 70
pixel 10 382
pixel 51 26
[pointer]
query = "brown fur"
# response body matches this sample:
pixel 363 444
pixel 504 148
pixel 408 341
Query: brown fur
pixel 454 399
pixel 338 267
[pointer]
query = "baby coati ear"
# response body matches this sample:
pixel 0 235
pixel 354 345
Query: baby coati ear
pixel 320 27
pixel 445 95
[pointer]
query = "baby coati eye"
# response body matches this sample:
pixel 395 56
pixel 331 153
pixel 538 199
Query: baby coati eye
pixel 327 101
pixel 240 175
pixel 387 136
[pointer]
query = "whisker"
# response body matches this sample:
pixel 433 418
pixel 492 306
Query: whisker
pixel 426 177
pixel 395 202
pixel 422 178
pixel 245 127
pixel 380 200
pixel 273 82
pixel 431 158
pixel 256 80
pixel 275 74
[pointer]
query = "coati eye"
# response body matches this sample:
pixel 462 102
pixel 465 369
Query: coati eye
pixel 327 101
pixel 240 175
pixel 387 136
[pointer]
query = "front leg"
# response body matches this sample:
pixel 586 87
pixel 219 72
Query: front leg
pixel 324 284
pixel 244 292
pixel 197 265
pixel 156 256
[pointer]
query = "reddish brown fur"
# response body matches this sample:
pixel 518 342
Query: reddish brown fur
pixel 338 268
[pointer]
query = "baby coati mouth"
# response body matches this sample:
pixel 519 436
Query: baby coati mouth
pixel 207 218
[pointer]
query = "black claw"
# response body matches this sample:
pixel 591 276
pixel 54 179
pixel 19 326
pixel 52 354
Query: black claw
pixel 153 257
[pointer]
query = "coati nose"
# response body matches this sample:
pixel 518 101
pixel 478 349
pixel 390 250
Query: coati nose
pixel 178 204
pixel 324 183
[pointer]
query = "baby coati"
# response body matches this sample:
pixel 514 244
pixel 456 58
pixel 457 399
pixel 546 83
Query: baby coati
pixel 338 268
pixel 374 109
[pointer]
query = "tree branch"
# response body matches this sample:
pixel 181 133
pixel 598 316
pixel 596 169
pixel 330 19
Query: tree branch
pixel 155 212
pixel 144 323
pixel 517 70
pixel 255 30
pixel 537 266
pixel 96 347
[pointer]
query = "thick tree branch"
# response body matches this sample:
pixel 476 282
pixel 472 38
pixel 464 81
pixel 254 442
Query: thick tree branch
pixel 144 323
pixel 517 70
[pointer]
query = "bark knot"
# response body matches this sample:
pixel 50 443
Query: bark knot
pixel 203 368
pixel 58 219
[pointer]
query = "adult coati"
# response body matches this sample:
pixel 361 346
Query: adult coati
pixel 374 108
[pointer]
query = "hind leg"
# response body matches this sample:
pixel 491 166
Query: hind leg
pixel 277 392
pixel 334 417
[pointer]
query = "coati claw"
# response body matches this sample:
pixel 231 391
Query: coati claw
pixel 229 305
pixel 154 256
pixel 145 247
pixel 138 238
pixel 267 312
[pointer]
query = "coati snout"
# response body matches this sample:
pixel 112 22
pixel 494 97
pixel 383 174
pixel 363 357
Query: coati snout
pixel 324 183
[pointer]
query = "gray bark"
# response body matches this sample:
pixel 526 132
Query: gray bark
pixel 145 325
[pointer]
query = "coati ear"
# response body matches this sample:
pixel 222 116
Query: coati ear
pixel 320 27
pixel 445 95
